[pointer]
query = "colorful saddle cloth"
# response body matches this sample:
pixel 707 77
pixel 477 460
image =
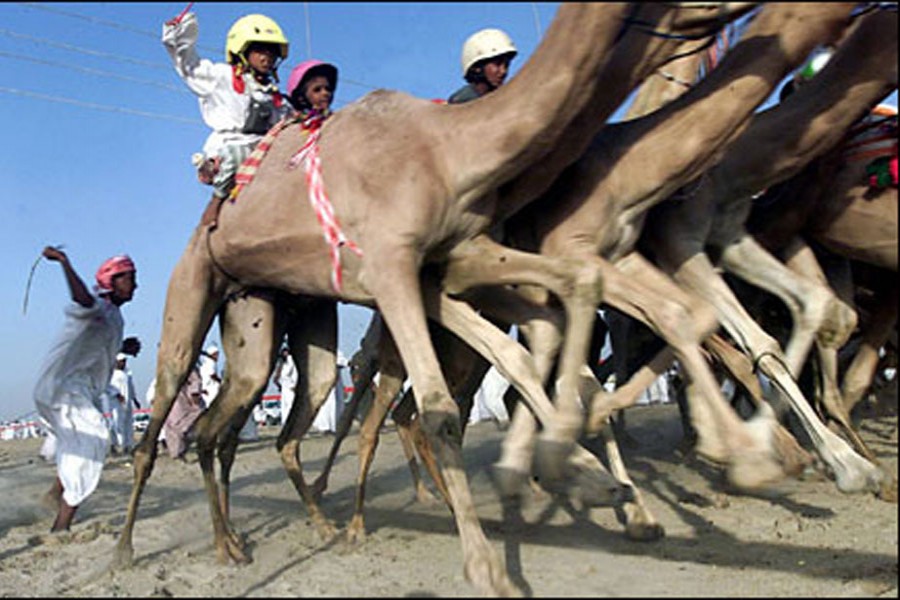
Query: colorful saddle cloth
pixel 874 140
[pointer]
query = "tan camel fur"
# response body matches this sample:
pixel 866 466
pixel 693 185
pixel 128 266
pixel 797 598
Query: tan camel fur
pixel 831 203
pixel 288 452
pixel 435 195
pixel 777 144
pixel 142 471
pixel 601 207
pixel 469 274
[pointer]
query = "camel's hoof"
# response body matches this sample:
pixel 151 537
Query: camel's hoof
pixel 854 474
pixel 490 577
pixel 749 474
pixel 123 558
pixel 509 483
pixel 326 531
pixel 644 532
pixel 236 540
pixel 355 536
pixel 592 491
pixel 888 490
pixel 550 463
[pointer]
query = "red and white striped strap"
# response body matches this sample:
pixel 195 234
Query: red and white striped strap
pixel 331 229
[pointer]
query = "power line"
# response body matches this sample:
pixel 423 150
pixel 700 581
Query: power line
pixel 82 50
pixel 113 24
pixel 103 22
pixel 98 72
pixel 308 34
pixel 537 21
pixel 103 107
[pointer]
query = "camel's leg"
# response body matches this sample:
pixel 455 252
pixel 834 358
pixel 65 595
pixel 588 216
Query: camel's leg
pixel 752 459
pixel 582 469
pixel 852 472
pixel 794 457
pixel 389 384
pixel 363 367
pixel 362 382
pixel 312 337
pixel 251 327
pixel 411 440
pixel 399 296
pixel 804 262
pixel 640 524
pixel 406 418
pixel 815 310
pixel 194 294
pixel 875 334
pixel 577 284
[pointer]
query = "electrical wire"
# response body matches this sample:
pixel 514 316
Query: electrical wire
pixel 537 21
pixel 308 34
pixel 104 107
pixel 128 28
pixel 99 21
pixel 82 50
pixel 98 72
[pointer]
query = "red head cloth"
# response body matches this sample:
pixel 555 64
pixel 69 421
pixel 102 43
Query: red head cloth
pixel 110 268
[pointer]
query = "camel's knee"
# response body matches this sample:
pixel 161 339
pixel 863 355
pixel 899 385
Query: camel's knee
pixel 687 325
pixel 840 323
pixel 588 282
pixel 440 419
pixel 289 453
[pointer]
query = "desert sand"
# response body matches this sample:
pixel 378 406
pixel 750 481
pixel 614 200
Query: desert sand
pixel 804 538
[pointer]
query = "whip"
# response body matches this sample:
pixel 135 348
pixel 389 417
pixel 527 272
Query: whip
pixel 31 277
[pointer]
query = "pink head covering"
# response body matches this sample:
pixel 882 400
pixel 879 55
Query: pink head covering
pixel 299 73
pixel 110 268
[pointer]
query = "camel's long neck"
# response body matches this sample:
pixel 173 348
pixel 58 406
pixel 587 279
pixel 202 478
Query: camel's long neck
pixel 647 159
pixel 634 57
pixel 503 133
pixel 816 117
pixel 669 81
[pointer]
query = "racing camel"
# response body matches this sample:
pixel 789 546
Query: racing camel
pixel 407 181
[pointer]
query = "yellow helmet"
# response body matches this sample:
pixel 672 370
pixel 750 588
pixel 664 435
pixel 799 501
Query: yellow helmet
pixel 253 28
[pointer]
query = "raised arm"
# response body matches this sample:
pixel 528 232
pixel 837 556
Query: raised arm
pixel 79 291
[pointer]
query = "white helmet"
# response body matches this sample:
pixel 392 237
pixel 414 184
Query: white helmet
pixel 487 43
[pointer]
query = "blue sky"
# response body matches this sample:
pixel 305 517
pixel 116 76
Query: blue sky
pixel 99 130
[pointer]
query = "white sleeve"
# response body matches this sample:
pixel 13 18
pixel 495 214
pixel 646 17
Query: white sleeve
pixel 180 40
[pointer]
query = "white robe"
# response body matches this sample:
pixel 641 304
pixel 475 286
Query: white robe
pixel 287 382
pixel 327 417
pixel 75 373
pixel 488 401
pixel 123 413
pixel 209 379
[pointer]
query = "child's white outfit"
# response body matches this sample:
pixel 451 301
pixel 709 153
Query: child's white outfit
pixel 238 108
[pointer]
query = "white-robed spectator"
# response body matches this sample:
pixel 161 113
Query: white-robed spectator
pixel 74 374
pixel 327 417
pixel 124 401
pixel 148 400
pixel 488 401
pixel 209 374
pixel 286 381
